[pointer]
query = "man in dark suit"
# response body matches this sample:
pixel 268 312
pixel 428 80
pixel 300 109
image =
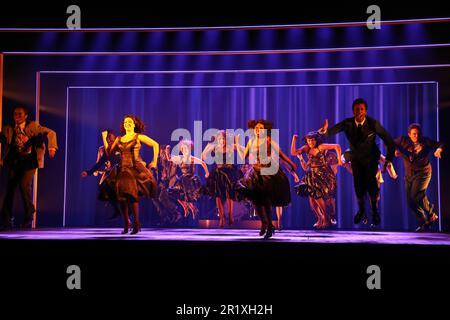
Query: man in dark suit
pixel 24 149
pixel 361 132
pixel 414 149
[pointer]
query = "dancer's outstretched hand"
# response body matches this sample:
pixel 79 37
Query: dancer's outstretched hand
pixel 324 127
pixel 437 153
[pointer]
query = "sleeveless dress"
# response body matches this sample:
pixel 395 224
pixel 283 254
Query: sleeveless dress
pixel 133 178
pixel 320 180
pixel 265 189
pixel 188 186
pixel 222 180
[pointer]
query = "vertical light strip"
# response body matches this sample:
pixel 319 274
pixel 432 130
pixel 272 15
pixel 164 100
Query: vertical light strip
pixel 65 156
pixel 1 96
pixel 438 162
pixel 35 181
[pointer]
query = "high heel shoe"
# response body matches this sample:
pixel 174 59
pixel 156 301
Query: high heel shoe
pixel 136 228
pixel 263 229
pixel 270 231
pixel 125 229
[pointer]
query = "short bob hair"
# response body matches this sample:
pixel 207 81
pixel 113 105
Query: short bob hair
pixel 139 126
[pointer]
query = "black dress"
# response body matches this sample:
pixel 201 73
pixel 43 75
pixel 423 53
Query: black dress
pixel 133 177
pixel 221 182
pixel 188 186
pixel 320 180
pixel 266 189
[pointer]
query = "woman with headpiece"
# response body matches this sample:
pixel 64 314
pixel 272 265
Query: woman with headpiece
pixel 221 183
pixel 133 179
pixel 187 188
pixel 319 181
pixel 265 184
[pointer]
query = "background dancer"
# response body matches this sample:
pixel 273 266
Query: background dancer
pixel 221 183
pixel 414 149
pixel 319 182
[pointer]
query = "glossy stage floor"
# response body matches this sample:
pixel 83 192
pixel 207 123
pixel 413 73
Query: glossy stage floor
pixel 234 235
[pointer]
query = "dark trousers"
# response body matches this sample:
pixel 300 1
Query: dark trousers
pixel 22 178
pixel 364 178
pixel 365 181
pixel 416 188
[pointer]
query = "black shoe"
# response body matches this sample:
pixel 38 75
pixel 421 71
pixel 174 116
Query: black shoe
pixel 376 219
pixel 431 219
pixel 270 231
pixel 136 228
pixel 421 228
pixel 358 217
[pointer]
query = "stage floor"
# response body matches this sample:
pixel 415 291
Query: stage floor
pixel 233 235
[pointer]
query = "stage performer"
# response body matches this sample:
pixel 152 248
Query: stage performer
pixel 414 149
pixel 106 166
pixel 133 179
pixel 221 183
pixel 187 189
pixel 279 210
pixel 319 182
pixel 264 190
pixel 24 150
pixel 361 132
pixel 166 206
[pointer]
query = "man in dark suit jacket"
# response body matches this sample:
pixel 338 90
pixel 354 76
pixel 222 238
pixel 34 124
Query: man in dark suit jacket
pixel 361 132
pixel 24 150
pixel 414 149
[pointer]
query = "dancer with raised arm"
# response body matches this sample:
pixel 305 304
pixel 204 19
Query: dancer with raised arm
pixel 319 181
pixel 221 183
pixel 187 188
pixel 361 131
pixel 265 184
pixel 134 179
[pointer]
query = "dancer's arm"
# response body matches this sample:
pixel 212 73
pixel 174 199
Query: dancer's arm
pixel 209 147
pixel 109 149
pixel 283 155
pixel 151 143
pixel 203 164
pixel 332 146
pixel 302 162
pixel 242 153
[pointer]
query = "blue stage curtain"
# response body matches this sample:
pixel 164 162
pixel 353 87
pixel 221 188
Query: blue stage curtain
pixel 294 109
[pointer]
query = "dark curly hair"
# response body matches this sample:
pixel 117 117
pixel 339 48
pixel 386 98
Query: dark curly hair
pixel 139 126
pixel 268 125
pixel 313 135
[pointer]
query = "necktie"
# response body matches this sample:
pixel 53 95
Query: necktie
pixel 359 132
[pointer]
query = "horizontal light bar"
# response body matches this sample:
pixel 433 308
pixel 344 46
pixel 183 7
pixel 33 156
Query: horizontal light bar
pixel 224 52
pixel 226 28
pixel 253 86
pixel 424 66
